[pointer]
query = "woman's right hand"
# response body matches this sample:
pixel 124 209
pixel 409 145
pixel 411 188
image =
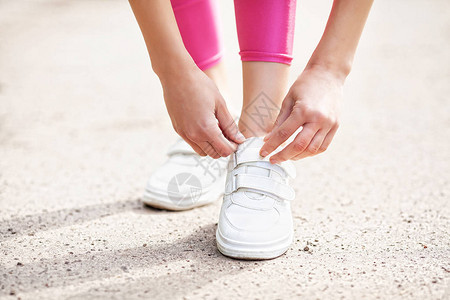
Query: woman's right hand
pixel 196 108
pixel 199 114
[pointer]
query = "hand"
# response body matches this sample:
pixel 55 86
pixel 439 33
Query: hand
pixel 312 102
pixel 199 114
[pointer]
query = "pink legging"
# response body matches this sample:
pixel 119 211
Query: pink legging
pixel 265 30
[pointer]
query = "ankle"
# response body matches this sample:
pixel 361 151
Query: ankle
pixel 250 128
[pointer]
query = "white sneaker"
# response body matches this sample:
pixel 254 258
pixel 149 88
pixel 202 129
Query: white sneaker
pixel 186 180
pixel 255 220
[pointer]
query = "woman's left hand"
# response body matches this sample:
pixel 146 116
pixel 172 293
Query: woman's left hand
pixel 312 102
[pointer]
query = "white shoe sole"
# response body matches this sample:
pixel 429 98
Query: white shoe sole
pixel 164 202
pixel 252 252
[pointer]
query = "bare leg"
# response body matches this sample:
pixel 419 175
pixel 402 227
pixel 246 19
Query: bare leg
pixel 218 75
pixel 265 31
pixel 264 89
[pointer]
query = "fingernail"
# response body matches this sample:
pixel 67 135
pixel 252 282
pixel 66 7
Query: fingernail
pixel 266 137
pixel 273 161
pixel 264 153
pixel 240 136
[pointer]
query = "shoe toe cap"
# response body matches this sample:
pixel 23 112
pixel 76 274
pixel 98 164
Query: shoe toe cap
pixel 243 225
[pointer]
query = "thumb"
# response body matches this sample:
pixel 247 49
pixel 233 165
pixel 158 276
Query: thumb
pixel 284 113
pixel 228 125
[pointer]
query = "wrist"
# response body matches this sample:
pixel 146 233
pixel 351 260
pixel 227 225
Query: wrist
pixel 173 66
pixel 338 69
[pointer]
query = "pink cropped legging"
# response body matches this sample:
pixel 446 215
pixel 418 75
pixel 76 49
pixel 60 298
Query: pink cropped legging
pixel 265 30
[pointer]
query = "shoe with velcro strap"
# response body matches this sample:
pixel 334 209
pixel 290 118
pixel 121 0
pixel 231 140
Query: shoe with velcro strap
pixel 255 220
pixel 186 180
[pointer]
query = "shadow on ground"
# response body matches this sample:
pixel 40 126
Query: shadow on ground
pixel 197 250
pixel 30 224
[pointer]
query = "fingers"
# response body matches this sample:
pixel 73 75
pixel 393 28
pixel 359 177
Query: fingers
pixel 281 134
pixel 209 149
pixel 328 139
pixel 211 140
pixel 298 145
pixel 222 145
pixel 216 139
pixel 313 147
pixel 201 140
pixel 319 144
pixel 228 126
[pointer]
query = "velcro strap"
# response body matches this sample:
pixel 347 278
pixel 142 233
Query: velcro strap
pixel 264 184
pixel 180 147
pixel 252 155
